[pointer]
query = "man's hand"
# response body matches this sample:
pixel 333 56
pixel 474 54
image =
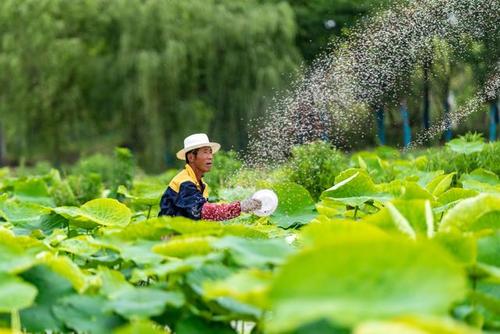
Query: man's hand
pixel 250 205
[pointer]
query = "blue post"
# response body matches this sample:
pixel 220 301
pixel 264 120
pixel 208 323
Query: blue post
pixel 406 123
pixel 493 120
pixel 447 119
pixel 426 92
pixel 379 113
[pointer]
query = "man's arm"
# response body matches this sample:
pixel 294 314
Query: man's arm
pixel 195 206
pixel 212 211
pixel 228 211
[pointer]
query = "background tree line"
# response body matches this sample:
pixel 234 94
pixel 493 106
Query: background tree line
pixel 84 76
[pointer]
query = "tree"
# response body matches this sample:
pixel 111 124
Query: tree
pixel 81 75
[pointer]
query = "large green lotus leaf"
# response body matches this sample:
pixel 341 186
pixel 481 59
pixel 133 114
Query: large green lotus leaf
pixel 143 193
pixel 208 272
pixel 249 286
pixel 63 266
pixel 17 212
pixel 418 213
pixel 144 302
pixel 483 176
pixel 364 277
pixel 372 163
pixel 330 208
pixel 113 282
pixel 415 325
pixel 26 217
pixel 56 237
pixel 141 326
pixel 92 251
pixel 175 266
pixel 33 190
pixel 440 184
pixel 139 252
pixel 51 222
pixel 17 254
pixel 198 278
pixel 407 190
pixel 188 226
pixel 462 146
pixel 101 211
pixel 255 252
pixel 183 225
pixel 480 186
pixel 151 229
pixel 318 231
pixel 132 302
pixel 86 314
pixel 367 160
pixel 51 287
pixel 295 207
pixel 15 294
pixel 410 217
pixel 473 214
pixel 159 228
pixel 453 196
pixel 488 249
pixel 486 300
pixel 354 187
pixel 424 178
pixel 246 231
pixel 481 180
pixel 184 246
pixel 82 245
pixel 462 246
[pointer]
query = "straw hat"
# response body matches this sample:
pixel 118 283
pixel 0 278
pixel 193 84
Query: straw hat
pixel 196 141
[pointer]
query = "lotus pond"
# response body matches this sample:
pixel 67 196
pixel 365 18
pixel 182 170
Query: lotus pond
pixel 397 243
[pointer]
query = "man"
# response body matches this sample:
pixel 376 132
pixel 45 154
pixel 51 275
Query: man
pixel 187 194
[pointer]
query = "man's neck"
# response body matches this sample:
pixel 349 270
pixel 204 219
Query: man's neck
pixel 197 172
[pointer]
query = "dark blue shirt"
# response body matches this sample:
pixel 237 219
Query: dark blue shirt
pixel 184 196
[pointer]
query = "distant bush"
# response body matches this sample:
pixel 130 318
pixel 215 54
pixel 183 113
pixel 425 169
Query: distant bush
pixel 315 165
pixel 85 187
pixel 102 165
pixel 95 171
pixel 464 154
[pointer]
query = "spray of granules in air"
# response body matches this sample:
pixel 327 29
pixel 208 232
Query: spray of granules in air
pixel 337 94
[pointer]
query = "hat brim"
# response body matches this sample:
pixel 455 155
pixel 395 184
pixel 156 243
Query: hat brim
pixel 181 155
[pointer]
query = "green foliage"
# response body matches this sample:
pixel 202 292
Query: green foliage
pixel 15 294
pixel 467 145
pixel 101 211
pixel 97 164
pixel 315 166
pixel 140 73
pixel 401 255
pixel 354 187
pixel 295 207
pixel 85 187
pixel 465 154
pixel 330 280
pixel 87 175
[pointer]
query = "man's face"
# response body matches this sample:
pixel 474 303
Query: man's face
pixel 203 159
